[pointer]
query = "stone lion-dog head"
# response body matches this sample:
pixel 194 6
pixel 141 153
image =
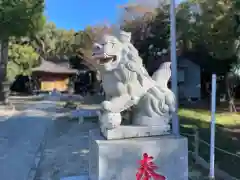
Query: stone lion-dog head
pixel 107 52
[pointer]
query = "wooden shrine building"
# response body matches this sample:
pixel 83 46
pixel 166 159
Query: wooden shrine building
pixel 53 76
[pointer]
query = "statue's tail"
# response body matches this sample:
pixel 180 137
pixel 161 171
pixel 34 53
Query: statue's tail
pixel 171 101
pixel 163 74
pixel 158 102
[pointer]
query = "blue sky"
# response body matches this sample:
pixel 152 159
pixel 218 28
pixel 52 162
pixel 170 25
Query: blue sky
pixel 77 14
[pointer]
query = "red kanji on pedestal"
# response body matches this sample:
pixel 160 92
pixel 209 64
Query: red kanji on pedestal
pixel 147 168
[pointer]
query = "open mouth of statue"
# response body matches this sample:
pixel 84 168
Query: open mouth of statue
pixel 107 59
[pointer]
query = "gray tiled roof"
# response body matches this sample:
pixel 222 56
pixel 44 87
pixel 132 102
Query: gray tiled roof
pixel 48 66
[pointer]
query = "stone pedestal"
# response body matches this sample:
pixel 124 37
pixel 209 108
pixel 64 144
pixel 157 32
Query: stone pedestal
pixel 134 131
pixel 118 159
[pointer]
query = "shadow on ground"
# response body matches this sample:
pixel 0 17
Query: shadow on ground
pixel 20 139
pixel 66 150
pixel 227 138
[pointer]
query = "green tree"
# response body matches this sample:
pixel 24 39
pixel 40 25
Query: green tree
pixel 64 42
pixel 21 59
pixel 210 23
pixel 211 27
pixel 51 41
pixel 44 41
pixel 17 18
pixel 83 42
pixel 150 33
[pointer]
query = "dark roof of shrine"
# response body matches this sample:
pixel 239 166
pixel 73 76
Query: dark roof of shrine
pixel 51 67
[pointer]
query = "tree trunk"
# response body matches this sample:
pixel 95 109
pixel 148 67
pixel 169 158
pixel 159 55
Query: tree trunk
pixel 230 95
pixel 4 86
pixel 97 82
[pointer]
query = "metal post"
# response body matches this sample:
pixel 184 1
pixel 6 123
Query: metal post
pixel 174 81
pixel 196 145
pixel 212 143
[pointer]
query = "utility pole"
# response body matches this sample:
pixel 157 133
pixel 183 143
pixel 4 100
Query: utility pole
pixel 174 78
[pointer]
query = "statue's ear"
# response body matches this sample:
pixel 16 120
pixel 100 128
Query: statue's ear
pixel 130 56
pixel 124 36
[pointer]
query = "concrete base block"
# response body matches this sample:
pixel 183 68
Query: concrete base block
pixel 124 132
pixel 118 159
pixel 75 178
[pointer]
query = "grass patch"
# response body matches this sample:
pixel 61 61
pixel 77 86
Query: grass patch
pixel 224 119
pixel 226 136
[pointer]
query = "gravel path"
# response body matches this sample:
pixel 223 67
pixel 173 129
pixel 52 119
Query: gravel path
pixel 24 156
pixel 66 151
pixel 20 140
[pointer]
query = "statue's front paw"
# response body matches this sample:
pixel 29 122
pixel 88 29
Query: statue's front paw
pixel 110 120
pixel 106 105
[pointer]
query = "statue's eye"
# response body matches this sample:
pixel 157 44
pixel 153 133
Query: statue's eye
pixel 113 44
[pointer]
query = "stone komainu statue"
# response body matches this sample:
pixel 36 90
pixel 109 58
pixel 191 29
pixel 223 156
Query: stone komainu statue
pixel 127 83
